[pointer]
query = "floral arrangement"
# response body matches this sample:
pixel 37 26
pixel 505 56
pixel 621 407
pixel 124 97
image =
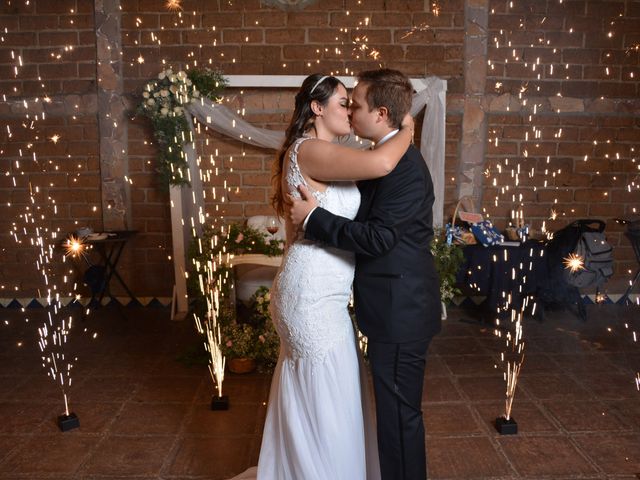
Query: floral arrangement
pixel 256 338
pixel 236 239
pixel 448 258
pixel 164 101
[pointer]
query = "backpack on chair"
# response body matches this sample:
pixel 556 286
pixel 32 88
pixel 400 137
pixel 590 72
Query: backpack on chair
pixel 596 254
pixel 583 238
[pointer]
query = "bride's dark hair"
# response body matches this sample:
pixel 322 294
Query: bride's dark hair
pixel 301 122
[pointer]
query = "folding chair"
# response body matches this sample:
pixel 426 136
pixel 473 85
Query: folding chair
pixel 633 234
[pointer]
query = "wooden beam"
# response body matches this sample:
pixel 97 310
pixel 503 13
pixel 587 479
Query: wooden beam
pixel 292 81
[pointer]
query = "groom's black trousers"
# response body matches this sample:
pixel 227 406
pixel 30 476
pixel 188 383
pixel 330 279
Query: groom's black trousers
pixel 398 376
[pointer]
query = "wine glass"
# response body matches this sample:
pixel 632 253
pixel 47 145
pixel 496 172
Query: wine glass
pixel 272 225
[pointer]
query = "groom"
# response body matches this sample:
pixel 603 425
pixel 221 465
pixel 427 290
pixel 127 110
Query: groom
pixel 396 286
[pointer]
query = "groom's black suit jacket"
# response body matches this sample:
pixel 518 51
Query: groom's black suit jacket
pixel 396 287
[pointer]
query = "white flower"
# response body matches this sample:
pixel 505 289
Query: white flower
pixel 195 93
pixel 168 72
pixel 151 101
pixel 164 111
pixel 164 93
pixel 173 78
pixel 156 94
pixel 189 82
pixel 182 75
pixel 145 94
pixel 161 76
pixel 177 110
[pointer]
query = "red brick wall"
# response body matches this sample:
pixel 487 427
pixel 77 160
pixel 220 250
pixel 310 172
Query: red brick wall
pixel 601 123
pixel 250 39
pixel 56 43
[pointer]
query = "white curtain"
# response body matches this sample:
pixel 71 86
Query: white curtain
pixel 219 118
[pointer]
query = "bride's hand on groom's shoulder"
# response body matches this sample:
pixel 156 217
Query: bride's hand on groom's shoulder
pixel 299 208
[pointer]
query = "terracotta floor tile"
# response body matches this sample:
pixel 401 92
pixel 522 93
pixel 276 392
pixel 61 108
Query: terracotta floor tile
pixel 464 458
pixel 558 344
pixel 452 419
pixel 627 411
pixel 106 389
pixel 580 364
pixel 213 458
pixel 456 346
pixel 610 385
pixel 470 364
pixel 586 416
pixel 40 387
pixel 8 385
pixel 24 417
pixel 119 455
pixel 529 417
pixel 553 387
pixel 94 417
pixel 50 454
pixel 9 443
pixel 239 419
pixel 613 453
pixel 439 389
pixel 173 434
pixel 435 366
pixel 168 389
pixel 483 388
pixel 251 388
pixel 537 456
pixel 627 362
pixel 149 418
pixel 538 364
pixel 126 365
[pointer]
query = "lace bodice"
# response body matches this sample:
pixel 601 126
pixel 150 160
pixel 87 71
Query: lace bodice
pixel 311 291
pixel 341 198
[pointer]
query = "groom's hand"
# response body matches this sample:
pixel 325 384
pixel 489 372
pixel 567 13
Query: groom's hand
pixel 300 208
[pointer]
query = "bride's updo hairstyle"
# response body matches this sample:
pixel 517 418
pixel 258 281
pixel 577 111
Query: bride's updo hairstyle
pixel 316 87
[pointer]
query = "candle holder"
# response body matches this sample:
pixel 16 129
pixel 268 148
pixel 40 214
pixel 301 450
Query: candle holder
pixel 506 426
pixel 68 422
pixel 220 403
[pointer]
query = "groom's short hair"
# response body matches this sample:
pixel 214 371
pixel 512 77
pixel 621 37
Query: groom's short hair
pixel 388 88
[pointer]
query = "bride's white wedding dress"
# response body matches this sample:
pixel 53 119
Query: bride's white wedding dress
pixel 319 423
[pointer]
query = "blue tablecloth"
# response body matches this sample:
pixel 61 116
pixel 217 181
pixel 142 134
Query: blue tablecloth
pixel 506 275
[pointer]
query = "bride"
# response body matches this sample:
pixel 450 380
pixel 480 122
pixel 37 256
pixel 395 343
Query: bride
pixel 319 425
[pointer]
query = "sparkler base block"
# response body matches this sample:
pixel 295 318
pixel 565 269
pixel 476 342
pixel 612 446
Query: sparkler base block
pixel 506 427
pixel 220 403
pixel 68 422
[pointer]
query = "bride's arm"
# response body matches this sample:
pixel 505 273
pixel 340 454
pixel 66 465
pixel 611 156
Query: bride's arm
pixel 327 162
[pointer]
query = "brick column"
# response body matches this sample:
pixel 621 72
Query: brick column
pixel 474 120
pixel 112 119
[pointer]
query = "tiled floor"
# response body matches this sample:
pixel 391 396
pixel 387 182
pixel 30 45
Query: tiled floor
pixel 145 415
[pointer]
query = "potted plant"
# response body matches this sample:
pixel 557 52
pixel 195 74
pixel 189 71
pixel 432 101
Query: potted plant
pixel 239 344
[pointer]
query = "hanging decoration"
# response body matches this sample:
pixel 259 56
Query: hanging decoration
pixel 164 101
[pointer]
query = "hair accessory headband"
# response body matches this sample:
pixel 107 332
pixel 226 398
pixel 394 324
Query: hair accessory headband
pixel 318 83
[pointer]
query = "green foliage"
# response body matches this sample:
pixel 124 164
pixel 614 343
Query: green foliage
pixel 164 101
pixel 255 338
pixel 448 259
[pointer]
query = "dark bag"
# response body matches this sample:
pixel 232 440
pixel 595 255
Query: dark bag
pixel 562 290
pixel 597 258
